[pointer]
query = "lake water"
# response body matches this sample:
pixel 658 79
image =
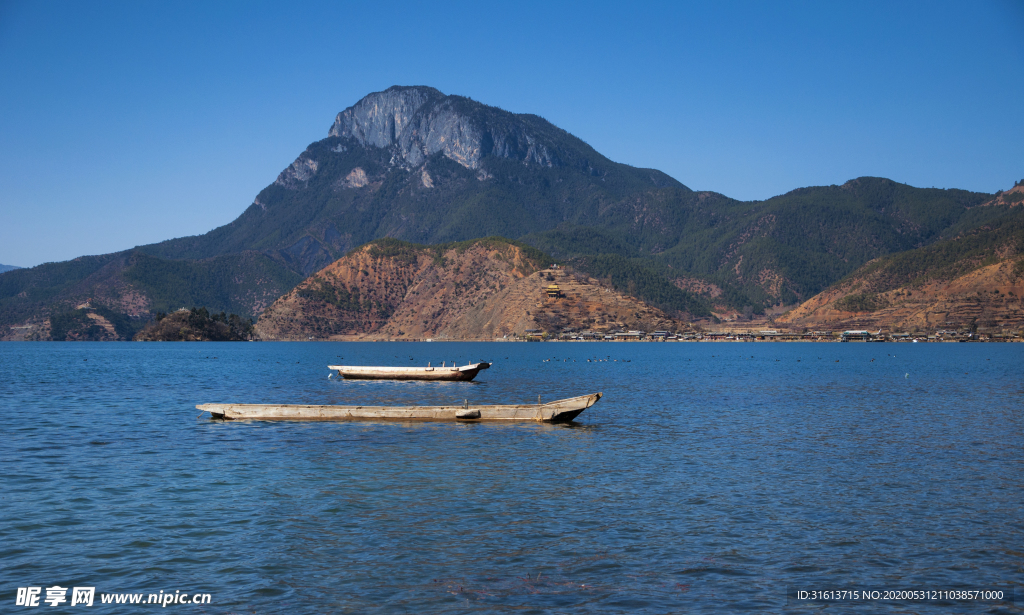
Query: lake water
pixel 712 477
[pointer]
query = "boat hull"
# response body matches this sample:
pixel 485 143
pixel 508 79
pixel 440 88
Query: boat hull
pixel 559 411
pixel 464 373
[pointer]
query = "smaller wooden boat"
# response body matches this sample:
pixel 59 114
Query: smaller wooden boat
pixel 358 372
pixel 560 411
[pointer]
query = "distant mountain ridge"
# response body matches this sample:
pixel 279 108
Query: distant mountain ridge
pixel 136 285
pixel 414 164
pixel 4 268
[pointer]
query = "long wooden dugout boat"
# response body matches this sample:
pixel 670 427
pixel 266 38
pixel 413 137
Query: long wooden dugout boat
pixel 358 372
pixel 560 411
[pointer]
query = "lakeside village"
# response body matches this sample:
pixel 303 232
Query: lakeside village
pixel 770 335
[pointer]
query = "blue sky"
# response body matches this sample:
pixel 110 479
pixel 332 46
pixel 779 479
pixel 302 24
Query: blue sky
pixel 128 123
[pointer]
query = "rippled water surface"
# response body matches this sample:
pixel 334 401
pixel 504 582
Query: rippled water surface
pixel 710 478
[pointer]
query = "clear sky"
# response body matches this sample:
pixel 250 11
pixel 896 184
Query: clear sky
pixel 128 123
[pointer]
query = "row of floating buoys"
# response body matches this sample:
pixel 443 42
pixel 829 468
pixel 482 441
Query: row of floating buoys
pixel 594 360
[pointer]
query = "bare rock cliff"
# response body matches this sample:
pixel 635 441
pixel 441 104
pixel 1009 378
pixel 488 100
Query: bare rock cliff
pixel 418 122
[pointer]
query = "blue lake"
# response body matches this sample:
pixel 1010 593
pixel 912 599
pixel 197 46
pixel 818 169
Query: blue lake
pixel 710 478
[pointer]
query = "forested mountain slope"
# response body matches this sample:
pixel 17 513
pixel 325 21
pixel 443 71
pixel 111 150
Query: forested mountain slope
pixel 134 285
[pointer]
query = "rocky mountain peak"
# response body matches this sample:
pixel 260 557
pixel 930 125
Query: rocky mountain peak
pixel 380 118
pixel 420 121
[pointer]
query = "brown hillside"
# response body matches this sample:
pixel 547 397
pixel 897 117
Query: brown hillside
pixel 1012 197
pixel 975 280
pixel 989 297
pixel 480 290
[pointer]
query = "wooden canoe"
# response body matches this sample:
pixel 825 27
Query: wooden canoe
pixel 560 411
pixel 358 372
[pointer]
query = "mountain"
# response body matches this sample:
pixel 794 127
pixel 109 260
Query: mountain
pixel 407 162
pixel 785 249
pixel 4 268
pixel 134 285
pixel 481 289
pixel 973 280
pixel 414 164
